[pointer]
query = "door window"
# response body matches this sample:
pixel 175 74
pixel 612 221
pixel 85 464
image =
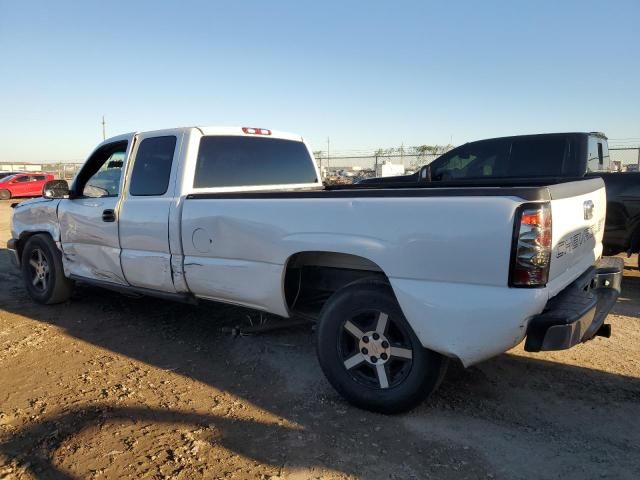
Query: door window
pixel 152 166
pixel 479 160
pixel 22 179
pixel 100 176
pixel 106 181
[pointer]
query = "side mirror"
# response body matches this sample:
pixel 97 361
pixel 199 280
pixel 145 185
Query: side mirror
pixel 56 189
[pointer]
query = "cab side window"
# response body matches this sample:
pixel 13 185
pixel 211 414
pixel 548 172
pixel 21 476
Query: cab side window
pixel 106 181
pixel 538 157
pixel 480 160
pixel 100 176
pixel 598 155
pixel 152 166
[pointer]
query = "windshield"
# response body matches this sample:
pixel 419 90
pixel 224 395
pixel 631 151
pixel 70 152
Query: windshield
pixel 7 178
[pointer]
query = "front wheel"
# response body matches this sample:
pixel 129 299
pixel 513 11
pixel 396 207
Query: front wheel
pixel 42 271
pixel 370 354
pixel 5 194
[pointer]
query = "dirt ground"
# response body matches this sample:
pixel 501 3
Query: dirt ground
pixel 107 386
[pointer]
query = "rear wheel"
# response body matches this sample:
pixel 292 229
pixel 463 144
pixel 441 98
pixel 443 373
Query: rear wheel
pixel 5 194
pixel 42 271
pixel 370 354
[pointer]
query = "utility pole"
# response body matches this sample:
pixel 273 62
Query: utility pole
pixel 328 151
pixel 104 131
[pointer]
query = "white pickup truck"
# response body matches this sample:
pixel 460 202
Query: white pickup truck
pixel 399 279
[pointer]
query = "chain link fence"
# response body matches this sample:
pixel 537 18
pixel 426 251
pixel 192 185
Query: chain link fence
pixel 61 170
pixel 626 159
pixel 341 168
pixel 349 169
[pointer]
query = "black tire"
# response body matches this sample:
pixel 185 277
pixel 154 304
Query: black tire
pixel 42 271
pixel 5 194
pixel 360 381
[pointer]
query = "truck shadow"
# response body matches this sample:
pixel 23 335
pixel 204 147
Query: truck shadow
pixel 278 374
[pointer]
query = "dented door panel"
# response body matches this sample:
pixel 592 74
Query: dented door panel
pixel 91 248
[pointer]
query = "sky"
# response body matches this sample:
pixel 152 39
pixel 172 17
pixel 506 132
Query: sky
pixel 366 74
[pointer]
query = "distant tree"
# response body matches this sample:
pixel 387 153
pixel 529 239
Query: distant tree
pixel 427 153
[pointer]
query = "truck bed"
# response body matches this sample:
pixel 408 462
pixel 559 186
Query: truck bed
pixel 530 189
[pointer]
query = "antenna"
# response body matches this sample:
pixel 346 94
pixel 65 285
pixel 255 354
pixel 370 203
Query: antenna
pixel 104 131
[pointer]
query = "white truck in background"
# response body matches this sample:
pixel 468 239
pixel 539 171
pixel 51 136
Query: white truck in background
pixel 399 279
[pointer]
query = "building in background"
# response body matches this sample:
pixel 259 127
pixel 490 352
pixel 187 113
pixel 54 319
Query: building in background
pixel 389 169
pixel 20 167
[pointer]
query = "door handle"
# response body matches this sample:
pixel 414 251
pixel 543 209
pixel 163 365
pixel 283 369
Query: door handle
pixel 108 215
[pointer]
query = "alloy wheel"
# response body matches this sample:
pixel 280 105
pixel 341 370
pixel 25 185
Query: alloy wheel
pixel 375 349
pixel 39 267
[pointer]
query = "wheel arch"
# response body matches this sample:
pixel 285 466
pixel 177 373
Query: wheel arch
pixel 327 271
pixel 25 236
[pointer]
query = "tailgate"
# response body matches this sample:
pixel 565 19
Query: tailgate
pixel 578 212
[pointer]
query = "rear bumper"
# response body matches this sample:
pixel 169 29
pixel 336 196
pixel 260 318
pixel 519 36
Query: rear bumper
pixel 12 246
pixel 577 313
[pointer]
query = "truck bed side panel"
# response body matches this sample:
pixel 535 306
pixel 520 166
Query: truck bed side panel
pixel 436 251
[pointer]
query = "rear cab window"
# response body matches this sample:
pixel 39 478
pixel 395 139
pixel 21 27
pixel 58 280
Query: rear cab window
pixel 242 161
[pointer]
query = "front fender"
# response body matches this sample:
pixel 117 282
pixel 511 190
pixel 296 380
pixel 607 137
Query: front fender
pixel 36 216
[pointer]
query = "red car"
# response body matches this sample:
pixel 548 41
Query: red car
pixel 23 185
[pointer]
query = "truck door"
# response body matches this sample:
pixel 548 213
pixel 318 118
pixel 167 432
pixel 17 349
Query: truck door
pixel 144 212
pixel 88 220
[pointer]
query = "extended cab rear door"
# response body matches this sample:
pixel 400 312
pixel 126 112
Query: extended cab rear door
pixel 145 208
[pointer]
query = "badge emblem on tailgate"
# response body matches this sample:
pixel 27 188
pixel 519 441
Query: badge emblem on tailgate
pixel 588 209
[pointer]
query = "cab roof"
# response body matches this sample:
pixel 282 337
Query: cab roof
pixel 213 130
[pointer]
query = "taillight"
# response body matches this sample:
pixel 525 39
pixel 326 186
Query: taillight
pixel 256 131
pixel 531 250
